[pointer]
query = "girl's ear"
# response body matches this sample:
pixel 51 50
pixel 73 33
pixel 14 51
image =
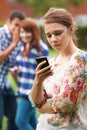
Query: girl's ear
pixel 71 28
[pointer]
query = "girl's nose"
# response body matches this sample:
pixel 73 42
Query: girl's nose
pixel 53 38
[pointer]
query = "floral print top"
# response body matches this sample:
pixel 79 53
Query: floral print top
pixel 68 87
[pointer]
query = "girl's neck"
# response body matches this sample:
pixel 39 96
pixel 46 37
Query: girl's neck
pixel 69 51
pixel 65 56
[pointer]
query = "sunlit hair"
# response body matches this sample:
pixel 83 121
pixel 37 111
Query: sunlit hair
pixel 62 16
pixel 29 25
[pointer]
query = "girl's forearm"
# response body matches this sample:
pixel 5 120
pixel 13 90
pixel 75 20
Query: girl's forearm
pixel 37 92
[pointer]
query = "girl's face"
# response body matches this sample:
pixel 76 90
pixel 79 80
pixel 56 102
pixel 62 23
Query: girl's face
pixel 25 36
pixel 58 36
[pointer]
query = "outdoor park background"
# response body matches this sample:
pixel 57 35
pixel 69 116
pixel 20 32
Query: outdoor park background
pixel 36 9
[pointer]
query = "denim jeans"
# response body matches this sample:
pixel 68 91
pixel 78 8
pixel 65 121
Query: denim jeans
pixel 8 105
pixel 26 115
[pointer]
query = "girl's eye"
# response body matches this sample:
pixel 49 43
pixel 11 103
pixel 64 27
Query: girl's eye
pixel 48 36
pixel 57 33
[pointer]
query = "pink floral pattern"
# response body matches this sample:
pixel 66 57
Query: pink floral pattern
pixel 68 87
pixel 56 89
pixel 79 83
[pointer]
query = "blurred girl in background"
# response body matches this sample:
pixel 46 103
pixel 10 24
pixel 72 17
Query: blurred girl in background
pixel 32 47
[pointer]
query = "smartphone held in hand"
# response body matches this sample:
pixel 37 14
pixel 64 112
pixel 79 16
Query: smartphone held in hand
pixel 41 59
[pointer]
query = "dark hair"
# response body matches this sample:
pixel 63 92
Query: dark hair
pixel 17 14
pixel 29 25
pixel 62 16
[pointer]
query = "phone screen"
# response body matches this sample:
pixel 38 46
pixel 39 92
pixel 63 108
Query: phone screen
pixel 41 59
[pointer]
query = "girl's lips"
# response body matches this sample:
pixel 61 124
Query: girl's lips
pixel 57 45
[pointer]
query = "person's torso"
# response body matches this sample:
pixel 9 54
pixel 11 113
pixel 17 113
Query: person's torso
pixel 27 66
pixel 5 41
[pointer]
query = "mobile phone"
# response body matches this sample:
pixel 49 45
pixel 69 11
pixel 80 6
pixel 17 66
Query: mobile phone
pixel 41 59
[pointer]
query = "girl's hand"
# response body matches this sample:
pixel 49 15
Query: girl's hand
pixel 42 74
pixel 14 69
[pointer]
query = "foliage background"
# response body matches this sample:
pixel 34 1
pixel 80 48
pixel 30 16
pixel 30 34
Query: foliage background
pixel 40 7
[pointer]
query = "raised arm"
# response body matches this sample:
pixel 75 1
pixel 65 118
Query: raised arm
pixel 15 39
pixel 38 96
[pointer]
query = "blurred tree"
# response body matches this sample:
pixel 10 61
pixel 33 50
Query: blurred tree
pixel 75 2
pixel 41 7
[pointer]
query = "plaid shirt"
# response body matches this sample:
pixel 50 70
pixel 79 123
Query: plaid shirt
pixel 10 61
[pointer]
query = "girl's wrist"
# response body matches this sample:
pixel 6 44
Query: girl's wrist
pixel 44 99
pixel 38 83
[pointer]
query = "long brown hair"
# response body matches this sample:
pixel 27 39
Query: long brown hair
pixel 62 16
pixel 30 25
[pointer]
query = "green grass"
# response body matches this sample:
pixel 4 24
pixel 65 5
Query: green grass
pixel 12 82
pixel 14 86
pixel 4 124
pixel 53 53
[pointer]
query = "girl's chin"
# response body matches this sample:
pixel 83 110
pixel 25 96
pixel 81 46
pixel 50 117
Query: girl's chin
pixel 57 49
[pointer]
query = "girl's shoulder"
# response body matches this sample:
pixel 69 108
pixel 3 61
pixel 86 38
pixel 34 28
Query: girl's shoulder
pixel 82 54
pixel 79 59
